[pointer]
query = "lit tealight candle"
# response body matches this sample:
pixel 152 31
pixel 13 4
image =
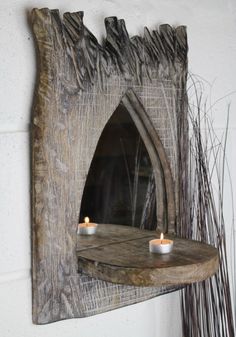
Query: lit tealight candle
pixel 161 246
pixel 87 228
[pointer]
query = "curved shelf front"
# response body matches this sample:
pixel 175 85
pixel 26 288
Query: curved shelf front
pixel 120 254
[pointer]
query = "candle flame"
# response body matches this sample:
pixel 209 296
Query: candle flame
pixel 86 219
pixel 162 236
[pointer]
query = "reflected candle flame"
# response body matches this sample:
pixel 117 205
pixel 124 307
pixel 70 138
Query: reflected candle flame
pixel 87 227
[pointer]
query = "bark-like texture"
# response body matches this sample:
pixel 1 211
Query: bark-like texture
pixel 165 50
pixel 80 84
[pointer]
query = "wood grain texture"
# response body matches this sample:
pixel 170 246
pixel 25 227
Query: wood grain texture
pixel 125 258
pixel 80 84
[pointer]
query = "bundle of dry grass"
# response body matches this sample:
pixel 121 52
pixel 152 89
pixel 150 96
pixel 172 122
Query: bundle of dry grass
pixel 206 306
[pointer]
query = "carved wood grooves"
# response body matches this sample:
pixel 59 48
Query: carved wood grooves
pixel 165 50
pixel 80 84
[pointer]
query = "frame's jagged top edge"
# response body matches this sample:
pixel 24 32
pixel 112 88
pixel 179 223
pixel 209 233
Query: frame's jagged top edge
pixel 134 57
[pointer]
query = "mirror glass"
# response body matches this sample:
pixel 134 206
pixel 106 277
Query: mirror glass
pixel 120 186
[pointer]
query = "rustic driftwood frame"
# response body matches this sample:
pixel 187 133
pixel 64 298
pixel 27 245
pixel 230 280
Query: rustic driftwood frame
pixel 80 84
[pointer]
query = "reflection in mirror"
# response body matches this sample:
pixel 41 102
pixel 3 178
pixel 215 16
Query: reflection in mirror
pixel 120 186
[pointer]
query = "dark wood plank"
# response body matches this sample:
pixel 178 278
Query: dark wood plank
pixel 126 259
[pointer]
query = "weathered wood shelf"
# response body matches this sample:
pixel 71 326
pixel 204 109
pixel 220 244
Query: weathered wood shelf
pixel 120 254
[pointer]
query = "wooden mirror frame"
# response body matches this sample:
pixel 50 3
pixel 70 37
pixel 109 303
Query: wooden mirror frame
pixel 80 84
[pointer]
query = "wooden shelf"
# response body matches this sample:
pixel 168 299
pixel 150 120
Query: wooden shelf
pixel 120 254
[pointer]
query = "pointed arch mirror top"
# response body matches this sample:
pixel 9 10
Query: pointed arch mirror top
pixel 129 181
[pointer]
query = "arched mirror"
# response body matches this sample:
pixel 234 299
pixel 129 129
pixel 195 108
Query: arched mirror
pixel 120 186
pixel 129 181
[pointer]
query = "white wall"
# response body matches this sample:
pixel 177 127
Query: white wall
pixel 211 34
